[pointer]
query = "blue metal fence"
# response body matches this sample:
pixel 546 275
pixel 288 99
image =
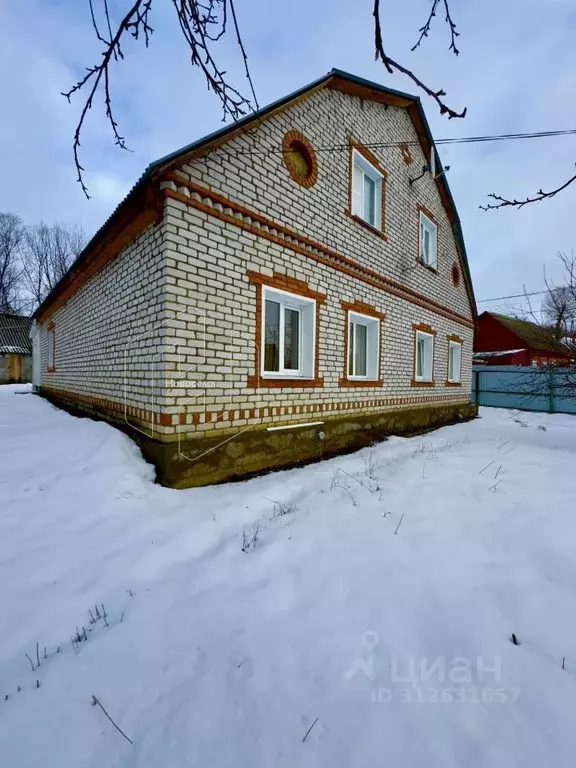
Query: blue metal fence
pixel 552 390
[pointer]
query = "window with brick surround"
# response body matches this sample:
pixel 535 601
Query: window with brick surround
pixel 366 191
pixel 363 347
pixel 51 348
pixel 428 241
pixel 424 352
pixel 288 334
pixel 454 362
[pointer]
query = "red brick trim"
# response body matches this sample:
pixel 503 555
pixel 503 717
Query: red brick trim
pixel 423 328
pixel 115 410
pixel 309 409
pixel 359 383
pixel 457 339
pixel 296 141
pixel 374 230
pixel 428 213
pixel 204 199
pixel 455 275
pixel 300 288
pixel 119 412
pixel 373 160
pixel 406 154
pixel 368 156
pixel 370 311
pixel 285 283
pixel 362 308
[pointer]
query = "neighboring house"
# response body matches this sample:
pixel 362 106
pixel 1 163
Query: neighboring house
pixel 502 340
pixel 288 287
pixel 15 349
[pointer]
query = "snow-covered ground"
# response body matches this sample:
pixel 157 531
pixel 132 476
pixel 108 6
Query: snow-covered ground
pixel 377 611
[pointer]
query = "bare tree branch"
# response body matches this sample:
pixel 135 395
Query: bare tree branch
pixel 244 56
pixel 424 31
pixel 392 65
pixel 11 234
pixel 202 22
pixel 502 202
pixel 136 23
pixel 46 254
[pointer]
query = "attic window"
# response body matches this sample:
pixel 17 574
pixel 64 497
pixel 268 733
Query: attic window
pixel 300 159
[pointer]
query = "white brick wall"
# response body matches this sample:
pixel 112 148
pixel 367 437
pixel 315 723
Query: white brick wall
pixel 108 335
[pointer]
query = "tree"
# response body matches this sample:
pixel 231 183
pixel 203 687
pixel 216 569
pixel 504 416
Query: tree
pixel 46 253
pixel 203 23
pixel 11 234
pixel 559 311
pixel 559 304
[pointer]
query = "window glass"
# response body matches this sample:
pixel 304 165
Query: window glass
pixel 288 334
pixel 424 356
pixel 420 343
pixel 454 361
pixel 291 338
pixel 369 200
pixel 361 351
pixel 428 248
pixel 363 346
pixel 272 336
pixel 366 191
pixel 351 349
pixel 51 348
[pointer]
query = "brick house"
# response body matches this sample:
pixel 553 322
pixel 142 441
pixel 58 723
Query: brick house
pixel 290 286
pixel 503 340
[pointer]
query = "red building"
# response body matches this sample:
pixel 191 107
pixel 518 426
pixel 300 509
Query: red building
pixel 502 340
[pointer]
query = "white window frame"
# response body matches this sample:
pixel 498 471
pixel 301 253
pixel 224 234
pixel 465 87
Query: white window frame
pixel 366 168
pixel 372 346
pixel 307 309
pixel 51 349
pixel 423 377
pixel 430 259
pixel 451 346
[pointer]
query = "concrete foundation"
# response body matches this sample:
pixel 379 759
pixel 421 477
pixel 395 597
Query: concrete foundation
pixel 218 458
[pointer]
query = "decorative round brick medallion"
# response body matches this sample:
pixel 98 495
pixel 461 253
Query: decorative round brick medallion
pixel 455 275
pixel 300 158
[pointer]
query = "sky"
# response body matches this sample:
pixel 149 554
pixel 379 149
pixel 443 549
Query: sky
pixel 516 72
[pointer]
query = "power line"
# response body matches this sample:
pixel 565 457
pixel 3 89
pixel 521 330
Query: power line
pixel 416 142
pixel 516 296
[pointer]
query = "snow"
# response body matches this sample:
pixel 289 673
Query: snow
pixel 418 556
pixel 498 353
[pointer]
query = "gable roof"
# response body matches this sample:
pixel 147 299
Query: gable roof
pixel 140 207
pixel 15 334
pixel 533 335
